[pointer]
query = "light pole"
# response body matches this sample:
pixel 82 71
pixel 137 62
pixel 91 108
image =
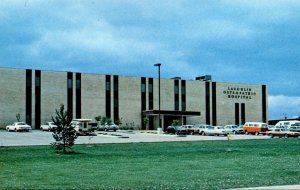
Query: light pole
pixel 158 65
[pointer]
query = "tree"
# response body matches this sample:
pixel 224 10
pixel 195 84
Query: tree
pixel 18 116
pixel 64 134
pixel 98 119
pixel 106 120
pixel 175 122
pixel 145 121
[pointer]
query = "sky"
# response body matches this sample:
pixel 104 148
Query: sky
pixel 235 41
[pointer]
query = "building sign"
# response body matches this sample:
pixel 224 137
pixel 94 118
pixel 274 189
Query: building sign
pixel 239 93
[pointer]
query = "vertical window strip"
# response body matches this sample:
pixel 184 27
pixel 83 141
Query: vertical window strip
pixel 28 98
pixel 237 113
pixel 176 94
pixel 70 94
pixel 78 95
pixel 183 95
pixel 37 99
pixel 150 93
pixel 108 96
pixel 264 103
pixel 143 100
pixel 243 113
pixel 214 103
pixel 207 102
pixel 116 98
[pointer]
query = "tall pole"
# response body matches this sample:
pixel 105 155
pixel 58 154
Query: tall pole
pixel 158 65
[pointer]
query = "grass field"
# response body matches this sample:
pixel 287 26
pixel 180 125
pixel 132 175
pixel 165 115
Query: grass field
pixel 173 165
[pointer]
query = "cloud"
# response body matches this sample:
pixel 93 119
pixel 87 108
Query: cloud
pixel 282 105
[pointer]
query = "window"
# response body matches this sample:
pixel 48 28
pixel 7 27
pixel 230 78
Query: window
pixel 150 88
pixel 107 85
pixel 143 87
pixel 182 89
pixel 176 90
pixel 70 83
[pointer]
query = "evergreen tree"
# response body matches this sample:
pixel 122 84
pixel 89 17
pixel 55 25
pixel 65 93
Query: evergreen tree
pixel 64 134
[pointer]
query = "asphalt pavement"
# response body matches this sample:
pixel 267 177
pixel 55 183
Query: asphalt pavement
pixel 37 137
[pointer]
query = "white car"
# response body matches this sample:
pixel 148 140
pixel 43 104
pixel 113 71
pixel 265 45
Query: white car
pixel 234 129
pixel 18 126
pixel 109 127
pixel 215 130
pixel 201 128
pixel 48 127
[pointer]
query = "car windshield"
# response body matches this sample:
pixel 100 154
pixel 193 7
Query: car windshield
pixel 21 123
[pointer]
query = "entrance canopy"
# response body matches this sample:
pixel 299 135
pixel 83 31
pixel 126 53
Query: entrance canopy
pixel 171 113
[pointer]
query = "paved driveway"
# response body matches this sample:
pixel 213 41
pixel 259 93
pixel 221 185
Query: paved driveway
pixel 36 137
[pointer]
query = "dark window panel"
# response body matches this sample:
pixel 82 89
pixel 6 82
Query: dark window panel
pixel 78 95
pixel 70 94
pixel 108 96
pixel 214 103
pixel 207 102
pixel 28 97
pixel 37 99
pixel 237 113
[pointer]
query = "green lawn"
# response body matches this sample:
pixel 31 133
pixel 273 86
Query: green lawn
pixel 173 165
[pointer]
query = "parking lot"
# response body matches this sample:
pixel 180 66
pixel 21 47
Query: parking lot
pixel 37 137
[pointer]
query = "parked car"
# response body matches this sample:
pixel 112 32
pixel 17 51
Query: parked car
pixel 178 130
pixel 215 130
pixel 49 126
pixel 108 127
pixel 82 126
pixel 272 128
pixel 94 126
pixel 234 129
pixel 201 128
pixel 288 123
pixel 18 126
pixel 295 128
pixel 190 129
pixel 255 128
pixel 282 133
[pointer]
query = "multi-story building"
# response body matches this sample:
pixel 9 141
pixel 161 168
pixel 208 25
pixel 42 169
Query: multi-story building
pixel 36 94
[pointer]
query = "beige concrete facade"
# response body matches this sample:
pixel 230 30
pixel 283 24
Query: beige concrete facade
pixel 12 95
pixel 53 94
pixel 216 103
pixel 92 95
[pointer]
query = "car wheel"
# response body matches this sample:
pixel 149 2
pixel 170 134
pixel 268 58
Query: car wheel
pixel 286 136
pixel 234 132
pixel 16 130
pixel 203 134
